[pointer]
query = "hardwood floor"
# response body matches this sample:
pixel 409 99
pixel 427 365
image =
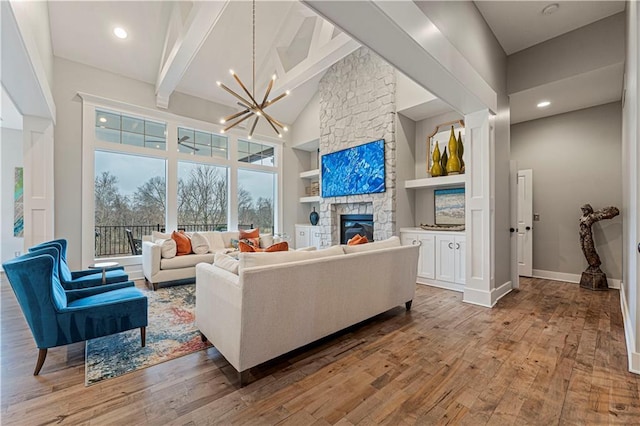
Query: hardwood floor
pixel 551 353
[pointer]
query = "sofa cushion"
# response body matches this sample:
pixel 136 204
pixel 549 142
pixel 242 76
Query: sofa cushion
pixel 227 236
pixel 180 262
pixel 249 260
pixel 375 245
pixel 215 240
pixel 248 248
pixel 183 243
pixel 266 240
pixel 199 243
pixel 226 262
pixel 155 235
pixel 168 248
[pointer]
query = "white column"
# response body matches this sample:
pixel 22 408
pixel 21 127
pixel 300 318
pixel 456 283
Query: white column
pixel 38 180
pixel 479 206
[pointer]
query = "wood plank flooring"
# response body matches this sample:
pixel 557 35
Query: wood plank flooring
pixel 550 353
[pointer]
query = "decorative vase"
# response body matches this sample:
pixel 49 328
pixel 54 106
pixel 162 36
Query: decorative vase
pixel 460 152
pixel 314 217
pixel 443 161
pixel 436 169
pixel 453 162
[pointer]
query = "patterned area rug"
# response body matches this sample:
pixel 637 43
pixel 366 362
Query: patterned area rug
pixel 171 333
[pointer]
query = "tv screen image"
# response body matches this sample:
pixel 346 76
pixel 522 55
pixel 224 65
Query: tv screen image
pixel 353 171
pixel 449 206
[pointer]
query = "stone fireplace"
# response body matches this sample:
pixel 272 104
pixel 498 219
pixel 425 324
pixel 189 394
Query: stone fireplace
pixel 358 105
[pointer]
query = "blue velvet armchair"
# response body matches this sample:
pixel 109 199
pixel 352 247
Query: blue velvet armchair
pixel 72 280
pixel 57 317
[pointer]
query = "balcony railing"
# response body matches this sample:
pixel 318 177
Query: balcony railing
pixel 111 240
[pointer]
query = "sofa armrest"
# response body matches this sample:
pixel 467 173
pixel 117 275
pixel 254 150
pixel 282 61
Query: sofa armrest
pixel 218 309
pixel 151 256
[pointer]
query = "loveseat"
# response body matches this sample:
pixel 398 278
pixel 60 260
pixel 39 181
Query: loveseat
pixel 159 268
pixel 277 302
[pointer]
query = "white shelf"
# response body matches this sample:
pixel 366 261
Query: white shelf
pixel 440 181
pixel 310 174
pixel 314 199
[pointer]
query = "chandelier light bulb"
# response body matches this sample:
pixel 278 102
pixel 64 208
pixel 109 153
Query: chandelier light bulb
pixel 232 72
pixel 286 129
pixel 287 92
pixel 258 113
pixel 222 131
pixel 222 121
pixel 249 137
pixel 273 77
pixel 218 83
pixel 279 135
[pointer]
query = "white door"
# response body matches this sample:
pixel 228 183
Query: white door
pixel 525 225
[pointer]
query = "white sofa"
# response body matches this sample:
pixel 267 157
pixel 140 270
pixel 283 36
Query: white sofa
pixel 180 269
pixel 267 310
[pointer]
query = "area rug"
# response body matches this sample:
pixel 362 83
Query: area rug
pixel 171 333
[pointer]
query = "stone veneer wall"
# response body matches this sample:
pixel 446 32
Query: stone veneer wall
pixel 358 105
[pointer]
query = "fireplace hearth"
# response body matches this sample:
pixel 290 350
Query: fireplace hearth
pixel 354 224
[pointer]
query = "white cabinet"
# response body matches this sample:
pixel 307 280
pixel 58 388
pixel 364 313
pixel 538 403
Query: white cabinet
pixel 450 258
pixel 442 257
pixel 307 235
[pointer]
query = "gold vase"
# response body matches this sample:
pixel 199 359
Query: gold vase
pixel 460 152
pixel 453 162
pixel 443 161
pixel 436 169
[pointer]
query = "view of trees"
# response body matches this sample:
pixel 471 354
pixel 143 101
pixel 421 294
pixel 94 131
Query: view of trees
pixel 202 200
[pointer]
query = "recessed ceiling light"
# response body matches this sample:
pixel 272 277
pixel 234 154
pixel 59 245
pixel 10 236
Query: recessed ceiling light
pixel 544 104
pixel 550 8
pixel 120 32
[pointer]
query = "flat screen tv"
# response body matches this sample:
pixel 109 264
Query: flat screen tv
pixel 352 171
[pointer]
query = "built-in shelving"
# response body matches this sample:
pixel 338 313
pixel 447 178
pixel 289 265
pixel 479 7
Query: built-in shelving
pixel 310 174
pixel 314 199
pixel 431 182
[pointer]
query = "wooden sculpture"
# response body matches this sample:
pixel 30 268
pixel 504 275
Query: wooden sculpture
pixel 593 278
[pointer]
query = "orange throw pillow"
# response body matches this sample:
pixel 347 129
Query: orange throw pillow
pixel 183 243
pixel 248 248
pixel 358 239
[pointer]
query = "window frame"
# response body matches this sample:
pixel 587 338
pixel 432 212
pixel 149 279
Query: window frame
pixel 90 144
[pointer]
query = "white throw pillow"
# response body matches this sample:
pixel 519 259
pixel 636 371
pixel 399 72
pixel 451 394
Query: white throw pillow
pixel 376 245
pixel 155 235
pixel 199 243
pixel 226 262
pixel 216 243
pixel 249 260
pixel 168 248
pixel 266 240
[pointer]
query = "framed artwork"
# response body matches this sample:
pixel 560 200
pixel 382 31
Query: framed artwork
pixel 449 206
pixel 18 203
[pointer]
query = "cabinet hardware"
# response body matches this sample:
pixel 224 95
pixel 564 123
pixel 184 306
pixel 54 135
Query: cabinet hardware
pixel 457 246
pixel 451 246
pixel 528 228
pixel 512 230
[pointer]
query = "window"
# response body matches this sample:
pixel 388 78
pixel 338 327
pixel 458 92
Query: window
pixel 127 130
pixel 255 153
pixel 202 197
pixel 256 195
pixel 200 143
pixel 126 197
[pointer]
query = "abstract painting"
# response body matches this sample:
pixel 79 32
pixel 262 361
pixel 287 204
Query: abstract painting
pixel 18 204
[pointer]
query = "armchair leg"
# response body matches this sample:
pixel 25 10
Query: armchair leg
pixel 143 336
pixel 203 338
pixel 42 355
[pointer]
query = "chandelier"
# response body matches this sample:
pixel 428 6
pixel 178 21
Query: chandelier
pixel 252 108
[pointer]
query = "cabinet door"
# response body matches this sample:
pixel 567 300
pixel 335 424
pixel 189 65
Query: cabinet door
pixel 427 260
pixel 302 236
pixel 408 239
pixel 314 239
pixel 459 272
pixel 445 260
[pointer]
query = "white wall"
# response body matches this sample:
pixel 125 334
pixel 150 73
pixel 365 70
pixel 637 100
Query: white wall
pixel 71 78
pixel 630 293
pixel 575 158
pixel 464 26
pixel 307 126
pixel 10 158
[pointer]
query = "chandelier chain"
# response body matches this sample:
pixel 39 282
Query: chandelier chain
pixel 253 86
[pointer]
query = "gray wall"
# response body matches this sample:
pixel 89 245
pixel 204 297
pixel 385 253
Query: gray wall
pixel 575 158
pixel 10 158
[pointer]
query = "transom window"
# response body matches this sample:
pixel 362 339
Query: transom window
pixel 128 130
pixel 255 153
pixel 196 142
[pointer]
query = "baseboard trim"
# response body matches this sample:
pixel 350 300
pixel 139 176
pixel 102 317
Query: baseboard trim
pixel 477 297
pixel 441 284
pixel 633 357
pixel 570 278
pixel 500 292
